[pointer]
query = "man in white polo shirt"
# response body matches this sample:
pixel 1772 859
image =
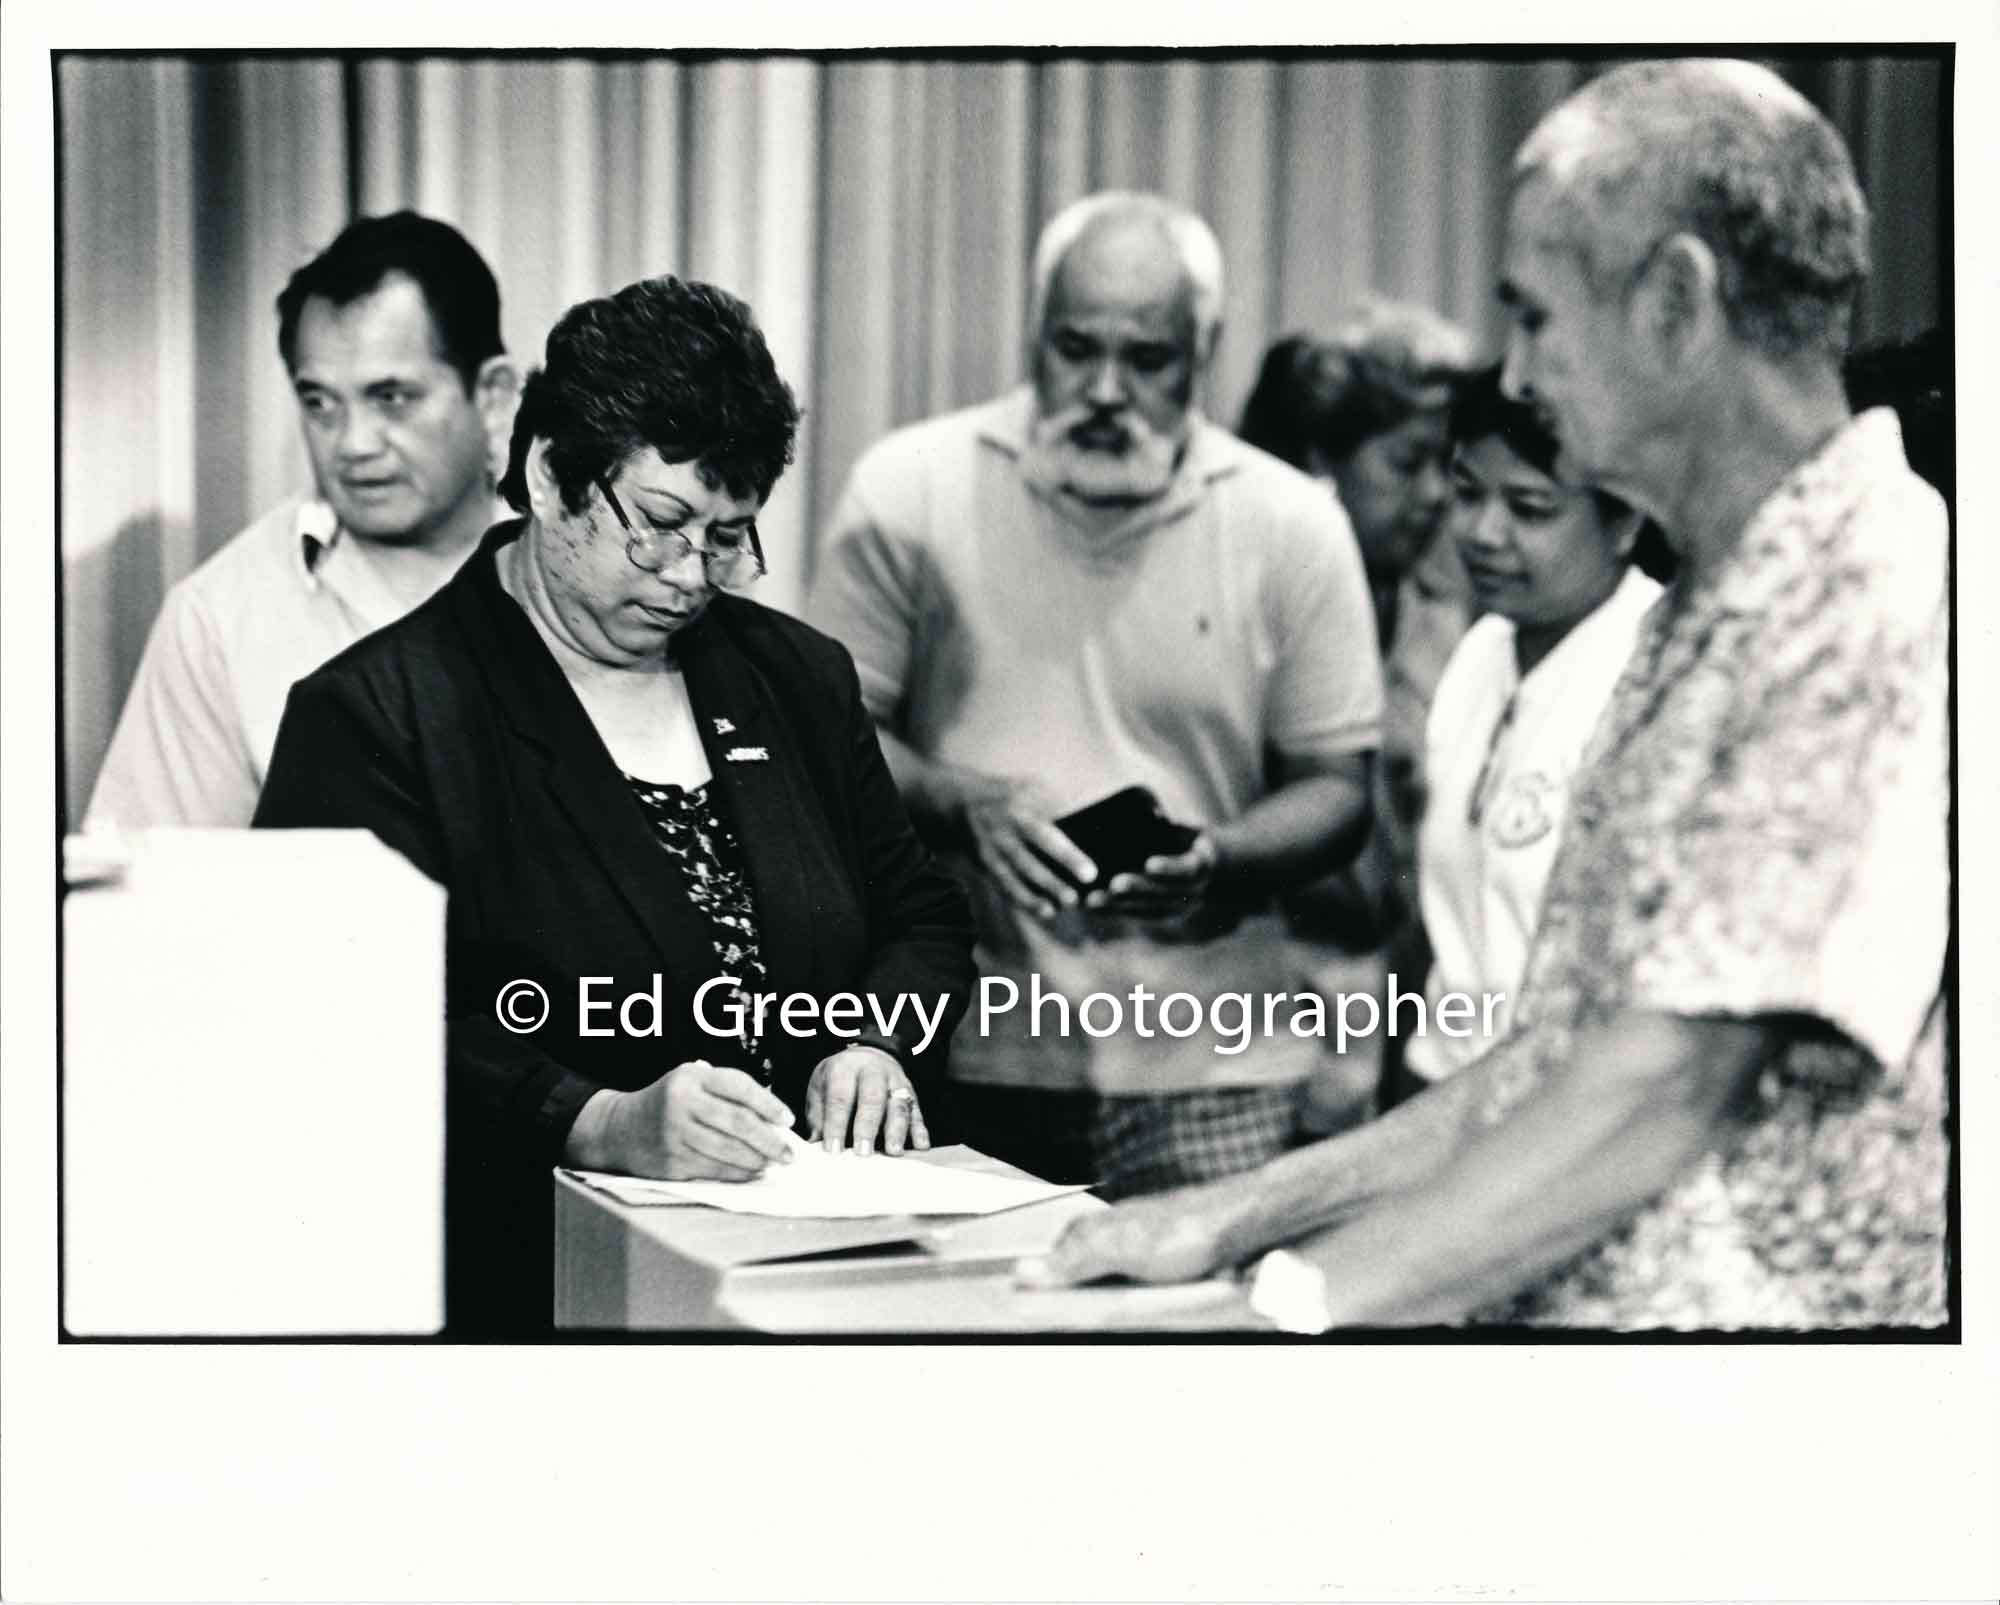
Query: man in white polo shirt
pixel 392 338
pixel 1084 586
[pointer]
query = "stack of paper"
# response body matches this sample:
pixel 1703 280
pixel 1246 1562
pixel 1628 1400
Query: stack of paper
pixel 817 1185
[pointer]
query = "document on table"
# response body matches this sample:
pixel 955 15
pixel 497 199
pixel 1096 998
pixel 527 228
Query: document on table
pixel 817 1185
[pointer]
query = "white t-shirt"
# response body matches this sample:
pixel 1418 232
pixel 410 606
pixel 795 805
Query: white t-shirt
pixel 1229 621
pixel 1481 886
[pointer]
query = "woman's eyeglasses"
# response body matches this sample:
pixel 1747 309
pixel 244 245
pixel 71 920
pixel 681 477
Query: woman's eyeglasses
pixel 733 558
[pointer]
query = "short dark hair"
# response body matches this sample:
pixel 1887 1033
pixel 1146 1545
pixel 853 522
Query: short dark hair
pixel 458 287
pixel 1386 364
pixel 1277 415
pixel 676 366
pixel 1914 376
pixel 1481 410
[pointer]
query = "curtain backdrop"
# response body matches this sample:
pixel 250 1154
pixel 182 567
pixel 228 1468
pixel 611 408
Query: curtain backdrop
pixel 878 213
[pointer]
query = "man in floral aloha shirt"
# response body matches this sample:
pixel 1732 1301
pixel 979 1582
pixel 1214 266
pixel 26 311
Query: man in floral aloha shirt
pixel 1721 1102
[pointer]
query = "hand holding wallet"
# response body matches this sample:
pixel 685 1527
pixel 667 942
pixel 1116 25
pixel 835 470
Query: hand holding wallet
pixel 1120 832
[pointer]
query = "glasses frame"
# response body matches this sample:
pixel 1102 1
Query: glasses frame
pixel 633 539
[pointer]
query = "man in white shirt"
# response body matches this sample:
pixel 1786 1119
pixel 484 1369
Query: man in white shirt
pixel 392 339
pixel 1083 586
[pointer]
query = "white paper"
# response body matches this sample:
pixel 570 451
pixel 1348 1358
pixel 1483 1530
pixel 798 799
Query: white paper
pixel 817 1185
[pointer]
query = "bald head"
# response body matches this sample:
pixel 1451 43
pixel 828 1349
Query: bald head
pixel 1725 151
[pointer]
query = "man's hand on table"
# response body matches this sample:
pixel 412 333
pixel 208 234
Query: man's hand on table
pixel 1171 1237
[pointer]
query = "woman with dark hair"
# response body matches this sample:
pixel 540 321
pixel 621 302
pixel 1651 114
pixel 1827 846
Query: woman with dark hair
pixel 651 801
pixel 1553 567
pixel 1365 410
pixel 1913 376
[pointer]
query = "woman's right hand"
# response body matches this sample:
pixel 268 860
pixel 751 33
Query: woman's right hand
pixel 698 1122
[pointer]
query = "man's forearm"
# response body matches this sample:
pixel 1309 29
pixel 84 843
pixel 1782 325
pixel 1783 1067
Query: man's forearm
pixel 1313 1187
pixel 1640 1102
pixel 1304 829
pixel 1177 1236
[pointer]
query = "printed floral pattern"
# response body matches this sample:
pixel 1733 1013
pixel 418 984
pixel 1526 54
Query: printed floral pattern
pixel 1774 729
pixel 705 852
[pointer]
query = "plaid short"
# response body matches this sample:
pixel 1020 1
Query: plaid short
pixel 1153 1141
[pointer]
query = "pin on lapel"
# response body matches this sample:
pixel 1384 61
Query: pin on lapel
pixel 746 755
pixel 725 727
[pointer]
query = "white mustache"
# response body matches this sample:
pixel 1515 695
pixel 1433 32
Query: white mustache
pixel 1141 469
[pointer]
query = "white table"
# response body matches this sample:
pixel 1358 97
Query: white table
pixel 622 1267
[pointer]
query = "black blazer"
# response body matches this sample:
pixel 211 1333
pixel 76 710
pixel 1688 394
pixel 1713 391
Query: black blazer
pixel 455 737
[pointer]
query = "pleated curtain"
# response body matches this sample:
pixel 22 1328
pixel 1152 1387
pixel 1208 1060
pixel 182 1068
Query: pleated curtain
pixel 878 213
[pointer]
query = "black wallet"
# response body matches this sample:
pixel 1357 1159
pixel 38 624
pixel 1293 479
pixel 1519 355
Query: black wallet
pixel 1120 832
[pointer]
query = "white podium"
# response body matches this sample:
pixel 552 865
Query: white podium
pixel 253 1089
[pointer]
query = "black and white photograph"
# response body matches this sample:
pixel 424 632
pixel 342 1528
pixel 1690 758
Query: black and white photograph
pixel 1240 770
